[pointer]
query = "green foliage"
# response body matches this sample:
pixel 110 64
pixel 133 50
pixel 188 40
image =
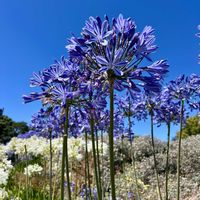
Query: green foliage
pixel 6 129
pixel 20 127
pixel 192 127
pixel 18 189
pixel 33 194
pixel 10 128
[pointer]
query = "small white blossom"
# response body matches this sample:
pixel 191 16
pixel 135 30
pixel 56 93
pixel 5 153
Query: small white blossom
pixel 33 169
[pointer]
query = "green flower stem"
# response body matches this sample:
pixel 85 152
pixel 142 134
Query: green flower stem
pixel 179 150
pixel 111 142
pixel 94 155
pixel 98 160
pixel 86 175
pixel 136 178
pixel 102 182
pixel 122 146
pixel 132 153
pixel 63 167
pixel 88 166
pixel 76 183
pixel 50 167
pixel 154 156
pixel 26 154
pixel 167 161
pixel 87 170
pixel 65 157
pixel 66 148
pixel 55 180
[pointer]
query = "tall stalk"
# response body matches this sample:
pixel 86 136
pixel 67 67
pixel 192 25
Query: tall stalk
pixel 136 178
pixel 56 175
pixel 179 150
pixel 98 160
pixel 154 156
pixel 66 148
pixel 87 170
pixel 26 154
pixel 50 166
pixel 132 153
pixel 86 175
pixel 65 156
pixel 167 161
pixel 102 181
pixel 122 146
pixel 63 167
pixel 111 135
pixel 94 155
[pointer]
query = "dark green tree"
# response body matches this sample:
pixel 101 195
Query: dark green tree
pixel 10 128
pixel 20 127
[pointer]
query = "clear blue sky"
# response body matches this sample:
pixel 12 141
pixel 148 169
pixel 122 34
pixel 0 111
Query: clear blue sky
pixel 33 34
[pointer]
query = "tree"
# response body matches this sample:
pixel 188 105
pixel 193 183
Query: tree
pixel 10 128
pixel 20 127
pixel 1 111
pixel 192 127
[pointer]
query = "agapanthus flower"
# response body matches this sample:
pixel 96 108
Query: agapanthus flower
pixel 33 96
pixel 124 26
pixel 167 111
pixel 27 134
pixel 185 88
pixel 44 122
pixel 112 62
pixel 38 79
pixel 119 124
pixel 133 105
pixel 58 83
pixel 97 31
pixel 63 93
pixel 145 44
pixel 116 50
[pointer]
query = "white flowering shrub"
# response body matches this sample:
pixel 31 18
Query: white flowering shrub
pixel 142 147
pixel 38 159
pixel 34 152
pixel 5 167
pixel 190 174
pixel 35 146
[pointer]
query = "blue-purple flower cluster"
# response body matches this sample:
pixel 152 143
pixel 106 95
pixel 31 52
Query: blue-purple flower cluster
pixel 105 50
pixel 108 52
pixel 115 50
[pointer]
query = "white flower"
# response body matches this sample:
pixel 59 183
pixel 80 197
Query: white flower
pixel 3 176
pixel 3 193
pixel 33 169
pixel 5 166
pixel 79 157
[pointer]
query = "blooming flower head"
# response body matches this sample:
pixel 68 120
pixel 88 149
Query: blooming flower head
pixel 184 88
pixel 115 50
pixel 166 111
pixel 33 170
pixel 58 83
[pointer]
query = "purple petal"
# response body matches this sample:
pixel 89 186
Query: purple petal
pixel 118 72
pixel 101 60
pixel 103 69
